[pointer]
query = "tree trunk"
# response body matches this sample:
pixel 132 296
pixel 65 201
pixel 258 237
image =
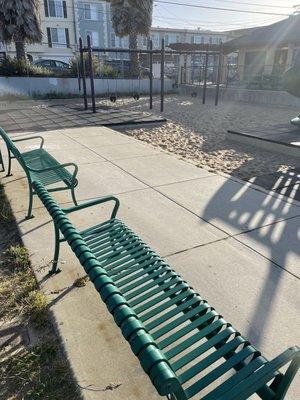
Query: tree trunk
pixel 134 57
pixel 20 50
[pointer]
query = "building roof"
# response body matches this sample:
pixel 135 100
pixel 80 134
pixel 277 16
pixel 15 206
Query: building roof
pixel 192 31
pixel 278 34
pixel 193 47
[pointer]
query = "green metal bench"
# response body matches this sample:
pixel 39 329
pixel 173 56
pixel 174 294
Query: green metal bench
pixel 38 164
pixel 182 343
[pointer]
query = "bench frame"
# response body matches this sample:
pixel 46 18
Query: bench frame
pixel 144 346
pixel 1 162
pixel 14 153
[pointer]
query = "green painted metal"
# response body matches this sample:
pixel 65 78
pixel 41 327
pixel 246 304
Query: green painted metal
pixel 39 165
pixel 2 162
pixel 184 346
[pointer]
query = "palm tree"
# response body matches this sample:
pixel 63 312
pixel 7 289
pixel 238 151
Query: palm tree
pixel 20 23
pixel 132 18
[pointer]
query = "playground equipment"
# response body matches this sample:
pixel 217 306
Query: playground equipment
pixel 179 49
pixel 200 66
pixel 135 92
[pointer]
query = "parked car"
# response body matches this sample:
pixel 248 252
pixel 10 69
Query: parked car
pixel 53 65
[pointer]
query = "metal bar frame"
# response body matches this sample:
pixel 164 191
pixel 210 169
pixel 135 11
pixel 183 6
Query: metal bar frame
pixel 151 75
pixel 82 73
pixel 91 72
pixel 145 51
pixel 205 74
pixel 220 65
pixel 162 75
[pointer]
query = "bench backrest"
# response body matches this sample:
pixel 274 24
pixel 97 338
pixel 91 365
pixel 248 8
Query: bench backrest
pixel 12 148
pixel 153 361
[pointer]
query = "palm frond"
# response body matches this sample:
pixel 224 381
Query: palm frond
pixel 131 16
pixel 20 21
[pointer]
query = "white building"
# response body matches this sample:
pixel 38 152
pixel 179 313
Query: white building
pixel 174 35
pixel 64 21
pixel 59 34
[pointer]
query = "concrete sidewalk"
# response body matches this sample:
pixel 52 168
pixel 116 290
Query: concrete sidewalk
pixel 238 246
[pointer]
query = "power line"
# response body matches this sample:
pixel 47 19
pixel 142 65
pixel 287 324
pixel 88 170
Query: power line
pixel 208 29
pixel 253 4
pixel 108 13
pixel 241 22
pixel 220 8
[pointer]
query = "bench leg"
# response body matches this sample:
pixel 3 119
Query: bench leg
pixel 73 196
pixel 29 213
pixel 55 270
pixel 281 386
pixel 9 165
pixel 177 396
pixel 1 162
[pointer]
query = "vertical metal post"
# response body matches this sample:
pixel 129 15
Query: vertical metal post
pixel 78 65
pixel 205 74
pixel 91 71
pixel 219 73
pixel 151 74
pixel 82 71
pixel 162 75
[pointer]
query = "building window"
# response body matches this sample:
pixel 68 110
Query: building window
pixel 172 38
pixel 91 12
pixel 94 35
pixel 210 40
pixel 144 41
pixel 296 56
pixel 55 8
pixel 124 42
pixel 58 37
pixel 113 40
pixel 254 62
pixel 155 39
pixel 197 39
pixel 280 60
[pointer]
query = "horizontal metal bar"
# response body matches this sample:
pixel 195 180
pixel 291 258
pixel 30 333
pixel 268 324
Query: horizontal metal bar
pixel 146 51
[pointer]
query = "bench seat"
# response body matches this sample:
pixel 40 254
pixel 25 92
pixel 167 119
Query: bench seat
pixel 39 165
pixel 185 346
pixel 39 159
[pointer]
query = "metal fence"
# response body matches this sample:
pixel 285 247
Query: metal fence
pixel 257 77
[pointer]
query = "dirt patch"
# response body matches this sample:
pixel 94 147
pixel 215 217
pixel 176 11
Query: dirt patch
pixel 32 365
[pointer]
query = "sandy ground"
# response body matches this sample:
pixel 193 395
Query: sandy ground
pixel 197 133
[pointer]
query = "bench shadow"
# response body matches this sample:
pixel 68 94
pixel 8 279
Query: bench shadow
pixel 279 239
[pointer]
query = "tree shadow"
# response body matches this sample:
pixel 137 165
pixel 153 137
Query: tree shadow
pixel 273 228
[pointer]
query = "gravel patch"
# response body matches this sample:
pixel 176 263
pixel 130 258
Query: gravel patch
pixel 197 133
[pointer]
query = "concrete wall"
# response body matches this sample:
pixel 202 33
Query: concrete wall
pixel 31 86
pixel 273 97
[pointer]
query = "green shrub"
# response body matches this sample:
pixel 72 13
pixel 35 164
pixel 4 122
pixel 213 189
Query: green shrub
pixel 101 70
pixel 75 62
pixel 13 67
pixel 107 71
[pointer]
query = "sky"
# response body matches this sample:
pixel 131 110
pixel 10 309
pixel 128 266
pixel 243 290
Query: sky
pixel 177 16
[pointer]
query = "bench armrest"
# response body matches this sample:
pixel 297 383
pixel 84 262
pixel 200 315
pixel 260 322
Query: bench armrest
pixel 57 167
pixel 30 138
pixel 94 203
pixel 264 374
